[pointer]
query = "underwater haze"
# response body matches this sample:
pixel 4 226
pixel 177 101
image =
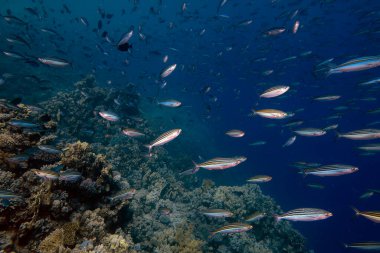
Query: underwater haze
pixel 189 126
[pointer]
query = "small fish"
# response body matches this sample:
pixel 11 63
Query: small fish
pixel 109 116
pixel 235 133
pixel 258 143
pixel 4 194
pixel 54 62
pixel 275 31
pixel 70 176
pixel 275 91
pixel 13 55
pixel 165 58
pixel 22 124
pixel 220 163
pixel 370 246
pixel 366 195
pixel 217 213
pixel 232 228
pixel 164 138
pixel 373 81
pixel 167 71
pixel 316 186
pixel 332 127
pixel 290 141
pixel 18 159
pixel 331 170
pixel 255 216
pixel 357 64
pixel 270 113
pixel 132 132
pixel 310 132
pixel 295 27
pixel 371 215
pixel 304 214
pixel 123 44
pixel 46 174
pixel 259 179
pixel 49 149
pixel 170 103
pixel 363 134
pixel 374 147
pixel 327 98
pixel 123 195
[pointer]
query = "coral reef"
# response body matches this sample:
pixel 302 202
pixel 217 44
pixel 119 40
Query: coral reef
pixel 98 212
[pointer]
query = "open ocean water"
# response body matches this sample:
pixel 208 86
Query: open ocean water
pixel 227 53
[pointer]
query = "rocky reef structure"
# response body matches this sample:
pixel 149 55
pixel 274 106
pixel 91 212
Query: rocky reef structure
pixel 102 212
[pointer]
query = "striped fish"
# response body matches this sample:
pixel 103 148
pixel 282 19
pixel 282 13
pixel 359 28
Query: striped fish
pixel 371 215
pixel 327 98
pixel 54 62
pixel 235 133
pixel 274 91
pixel 371 147
pixel 167 71
pixel 109 116
pixel 164 138
pixel 4 194
pixel 232 228
pixel 375 246
pixel 259 179
pixel 220 163
pixel 217 213
pixel 310 132
pixel 132 132
pixel 270 113
pixel 170 103
pixel 304 214
pixel 363 134
pixel 357 64
pixel 46 174
pixel 331 170
pixel 255 216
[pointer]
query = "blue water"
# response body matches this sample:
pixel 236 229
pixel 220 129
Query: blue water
pixel 224 58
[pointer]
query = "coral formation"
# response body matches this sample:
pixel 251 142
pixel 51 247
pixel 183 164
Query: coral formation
pixel 91 214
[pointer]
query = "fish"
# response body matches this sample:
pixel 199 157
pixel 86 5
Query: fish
pixel 295 27
pixel 14 20
pixel 316 186
pixel 366 195
pixel 19 40
pixel 327 98
pixel 304 214
pixel 110 116
pixel 371 147
pixel 54 62
pixel 221 4
pixel 310 132
pixel 363 134
pixel 358 64
pixel 217 213
pixel 275 91
pixel 123 44
pixel 290 141
pixel 370 215
pixel 165 58
pixel 18 159
pixel 270 113
pixel 13 55
pixel 259 179
pixel 22 124
pixel 49 149
pixel 5 194
pixel 70 176
pixel 331 127
pixel 275 31
pixel 370 246
pixel 167 71
pixel 46 174
pixel 235 133
pixel 123 195
pixel 164 138
pixel 232 228
pixel 132 132
pixel 258 143
pixel 331 170
pixel 220 163
pixel 164 211
pixel 170 103
pixel 372 81
pixel 255 216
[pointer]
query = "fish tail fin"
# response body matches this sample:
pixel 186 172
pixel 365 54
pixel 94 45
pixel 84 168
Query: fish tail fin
pixel 149 147
pixel 253 113
pixel 277 218
pixel 212 234
pixel 196 167
pixel 357 212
